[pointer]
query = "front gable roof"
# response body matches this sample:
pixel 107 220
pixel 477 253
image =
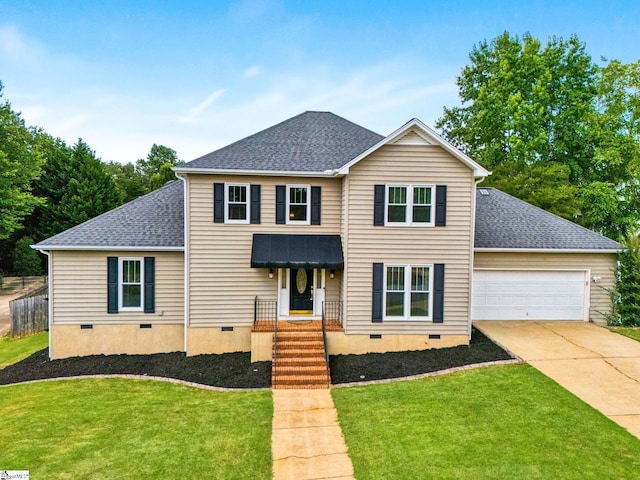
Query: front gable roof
pixel 312 142
pixel 415 132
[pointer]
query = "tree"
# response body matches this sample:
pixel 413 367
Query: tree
pixel 626 294
pixel 129 181
pixel 20 164
pixel 156 168
pixel 26 261
pixel 526 114
pixel 75 185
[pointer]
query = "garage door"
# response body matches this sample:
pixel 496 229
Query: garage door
pixel 529 295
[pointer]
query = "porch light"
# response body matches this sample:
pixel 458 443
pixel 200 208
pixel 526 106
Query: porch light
pixel 332 273
pixel 271 273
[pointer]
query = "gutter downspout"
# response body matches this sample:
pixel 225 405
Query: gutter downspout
pixel 186 257
pixel 473 255
pixel 49 295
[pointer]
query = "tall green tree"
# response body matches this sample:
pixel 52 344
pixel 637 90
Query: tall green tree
pixel 525 114
pixel 130 182
pixel 156 167
pixel 20 165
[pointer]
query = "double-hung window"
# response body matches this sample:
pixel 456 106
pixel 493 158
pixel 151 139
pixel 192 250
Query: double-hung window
pixel 236 209
pixel 408 292
pixel 298 204
pixel 409 205
pixel 130 283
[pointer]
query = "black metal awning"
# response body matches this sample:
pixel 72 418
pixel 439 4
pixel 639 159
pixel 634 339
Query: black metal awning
pixel 296 251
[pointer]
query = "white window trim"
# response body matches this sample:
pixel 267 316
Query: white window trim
pixel 122 308
pixel 407 293
pixel 226 203
pixel 409 205
pixel 299 222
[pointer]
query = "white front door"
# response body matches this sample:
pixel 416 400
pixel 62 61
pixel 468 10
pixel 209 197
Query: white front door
pixel 300 292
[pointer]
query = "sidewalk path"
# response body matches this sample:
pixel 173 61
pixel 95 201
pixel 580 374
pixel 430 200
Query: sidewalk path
pixel 307 442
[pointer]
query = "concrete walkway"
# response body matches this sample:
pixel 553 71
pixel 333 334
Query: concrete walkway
pixel 598 366
pixel 306 441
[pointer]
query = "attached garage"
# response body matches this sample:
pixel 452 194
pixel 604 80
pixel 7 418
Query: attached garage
pixel 530 295
pixel 532 265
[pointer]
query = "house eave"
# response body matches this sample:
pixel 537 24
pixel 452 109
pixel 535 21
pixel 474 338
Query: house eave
pixel 263 173
pixel 118 248
pixel 545 250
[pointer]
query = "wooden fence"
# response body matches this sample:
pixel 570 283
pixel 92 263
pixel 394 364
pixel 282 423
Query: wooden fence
pixel 30 314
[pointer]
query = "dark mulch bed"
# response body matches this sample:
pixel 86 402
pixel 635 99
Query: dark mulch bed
pixel 378 366
pixel 235 370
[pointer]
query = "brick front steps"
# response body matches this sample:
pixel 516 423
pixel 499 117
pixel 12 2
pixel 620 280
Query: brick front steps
pixel 299 361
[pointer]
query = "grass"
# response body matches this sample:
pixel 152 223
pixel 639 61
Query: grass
pixel 126 429
pixel 13 350
pixel 631 332
pixel 492 423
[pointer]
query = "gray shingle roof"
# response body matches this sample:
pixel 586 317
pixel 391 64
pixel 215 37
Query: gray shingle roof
pixel 155 220
pixel 503 221
pixel 309 142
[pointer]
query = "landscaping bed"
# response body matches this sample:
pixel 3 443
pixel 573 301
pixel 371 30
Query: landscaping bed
pixel 235 370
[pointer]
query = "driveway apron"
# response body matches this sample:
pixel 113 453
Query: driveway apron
pixel 598 366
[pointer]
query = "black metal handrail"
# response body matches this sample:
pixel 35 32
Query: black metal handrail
pixel 326 350
pixel 274 362
pixel 333 313
pixel 265 313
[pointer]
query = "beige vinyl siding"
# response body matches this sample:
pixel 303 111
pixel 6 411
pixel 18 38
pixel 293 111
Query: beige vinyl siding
pixel 222 284
pixel 80 288
pixel 600 264
pixel 407 164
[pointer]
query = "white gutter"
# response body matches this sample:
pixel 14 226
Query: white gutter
pixel 472 252
pixel 107 248
pixel 261 173
pixel 50 299
pixel 186 258
pixel 544 250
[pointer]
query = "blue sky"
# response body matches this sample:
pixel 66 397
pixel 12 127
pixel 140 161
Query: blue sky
pixel 197 75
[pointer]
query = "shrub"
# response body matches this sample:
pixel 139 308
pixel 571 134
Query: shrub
pixel 626 295
pixel 26 261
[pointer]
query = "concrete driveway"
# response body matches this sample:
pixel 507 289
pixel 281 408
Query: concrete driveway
pixel 600 367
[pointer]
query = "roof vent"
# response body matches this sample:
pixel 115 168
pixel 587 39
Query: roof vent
pixel 484 191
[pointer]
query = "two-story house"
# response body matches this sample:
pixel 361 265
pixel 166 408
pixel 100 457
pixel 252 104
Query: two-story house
pixel 390 239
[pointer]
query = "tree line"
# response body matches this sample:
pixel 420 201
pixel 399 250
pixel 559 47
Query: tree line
pixel 47 186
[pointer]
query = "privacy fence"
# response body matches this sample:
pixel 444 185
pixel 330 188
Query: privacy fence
pixel 30 314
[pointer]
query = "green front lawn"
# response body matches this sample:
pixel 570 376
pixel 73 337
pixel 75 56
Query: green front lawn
pixel 13 350
pixel 491 423
pixel 631 332
pixel 126 429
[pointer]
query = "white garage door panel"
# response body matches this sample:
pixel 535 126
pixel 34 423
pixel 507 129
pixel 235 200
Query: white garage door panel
pixel 528 295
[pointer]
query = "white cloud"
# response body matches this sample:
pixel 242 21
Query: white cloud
pixel 193 113
pixel 17 47
pixel 251 72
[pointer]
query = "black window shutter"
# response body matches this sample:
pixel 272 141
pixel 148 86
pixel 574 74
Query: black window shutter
pixel 441 205
pixel 316 195
pixel 378 205
pixel 218 202
pixel 281 203
pixel 255 204
pixel 438 293
pixel 376 309
pixel 112 284
pixel 149 284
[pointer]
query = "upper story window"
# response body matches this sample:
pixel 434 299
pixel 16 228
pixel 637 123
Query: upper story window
pixel 407 292
pixel 131 280
pixel 409 205
pixel 236 208
pixel 298 204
